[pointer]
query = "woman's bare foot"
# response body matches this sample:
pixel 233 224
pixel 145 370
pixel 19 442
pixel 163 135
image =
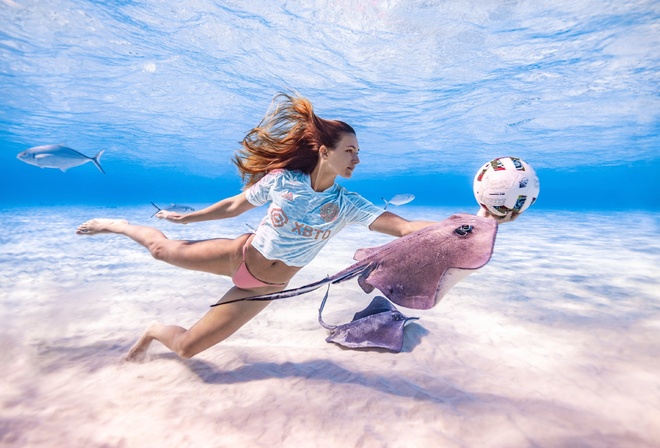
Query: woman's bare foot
pixel 94 226
pixel 138 352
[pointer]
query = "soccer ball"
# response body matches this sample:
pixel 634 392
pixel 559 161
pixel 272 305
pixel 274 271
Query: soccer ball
pixel 506 184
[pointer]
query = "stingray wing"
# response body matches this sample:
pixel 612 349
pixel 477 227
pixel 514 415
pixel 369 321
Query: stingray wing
pixel 412 271
pixel 380 325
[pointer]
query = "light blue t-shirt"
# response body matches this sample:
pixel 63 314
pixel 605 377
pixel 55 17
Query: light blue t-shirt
pixel 300 220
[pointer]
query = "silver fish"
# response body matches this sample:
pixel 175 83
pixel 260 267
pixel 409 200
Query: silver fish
pixel 58 156
pixel 399 199
pixel 173 208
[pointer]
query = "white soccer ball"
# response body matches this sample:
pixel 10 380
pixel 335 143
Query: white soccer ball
pixel 506 184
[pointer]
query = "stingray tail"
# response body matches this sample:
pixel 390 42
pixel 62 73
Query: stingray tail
pixel 342 276
pixel 97 160
pixel 323 324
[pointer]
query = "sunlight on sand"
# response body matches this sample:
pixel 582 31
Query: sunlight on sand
pixel 551 344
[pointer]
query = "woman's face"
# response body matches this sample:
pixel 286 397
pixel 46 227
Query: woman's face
pixel 344 157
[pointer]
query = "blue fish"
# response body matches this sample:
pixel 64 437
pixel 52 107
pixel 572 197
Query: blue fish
pixel 58 156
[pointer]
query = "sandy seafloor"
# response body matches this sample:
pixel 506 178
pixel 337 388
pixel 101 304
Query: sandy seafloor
pixel 554 343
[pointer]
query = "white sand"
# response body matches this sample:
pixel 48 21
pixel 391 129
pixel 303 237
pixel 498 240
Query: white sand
pixel 552 344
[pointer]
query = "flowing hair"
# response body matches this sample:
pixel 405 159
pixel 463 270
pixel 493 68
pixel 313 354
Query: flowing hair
pixel 288 137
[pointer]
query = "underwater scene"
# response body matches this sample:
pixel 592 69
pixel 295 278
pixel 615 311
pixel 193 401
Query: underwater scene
pixel 120 109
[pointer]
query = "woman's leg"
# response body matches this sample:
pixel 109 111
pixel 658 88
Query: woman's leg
pixel 216 325
pixel 217 256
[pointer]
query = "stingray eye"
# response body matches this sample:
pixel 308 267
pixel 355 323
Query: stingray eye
pixel 463 230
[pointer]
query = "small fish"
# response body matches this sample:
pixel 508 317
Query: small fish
pixel 58 156
pixel 173 208
pixel 399 199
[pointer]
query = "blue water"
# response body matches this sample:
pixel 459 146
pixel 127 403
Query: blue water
pixel 434 90
pixel 553 343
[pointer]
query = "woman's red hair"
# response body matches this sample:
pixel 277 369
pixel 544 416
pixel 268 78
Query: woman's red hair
pixel 288 137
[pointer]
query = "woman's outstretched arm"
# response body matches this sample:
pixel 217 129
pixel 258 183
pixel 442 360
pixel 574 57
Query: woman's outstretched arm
pixel 226 208
pixel 394 225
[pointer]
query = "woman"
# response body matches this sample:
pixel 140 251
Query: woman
pixel 291 159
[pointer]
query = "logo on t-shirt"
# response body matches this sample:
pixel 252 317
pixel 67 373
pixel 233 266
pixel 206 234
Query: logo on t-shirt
pixel 329 211
pixel 278 217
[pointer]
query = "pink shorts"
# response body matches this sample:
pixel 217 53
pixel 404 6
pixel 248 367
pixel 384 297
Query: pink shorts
pixel 243 279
